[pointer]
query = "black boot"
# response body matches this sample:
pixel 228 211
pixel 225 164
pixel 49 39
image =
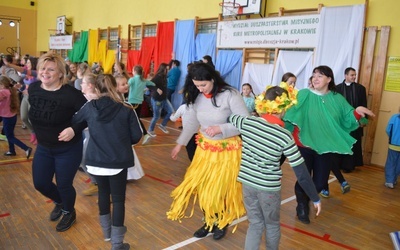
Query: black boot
pixel 302 208
pixel 219 233
pixel 202 232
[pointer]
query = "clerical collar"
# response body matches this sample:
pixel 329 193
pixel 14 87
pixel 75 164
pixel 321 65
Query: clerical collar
pixel 348 83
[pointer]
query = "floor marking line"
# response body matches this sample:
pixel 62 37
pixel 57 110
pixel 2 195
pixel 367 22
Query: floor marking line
pixel 17 160
pixel 168 182
pixel 323 238
pixel 194 239
pixel 4 215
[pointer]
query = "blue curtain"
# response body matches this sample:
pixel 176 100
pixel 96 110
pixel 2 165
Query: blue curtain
pixel 184 49
pixel 205 45
pixel 229 65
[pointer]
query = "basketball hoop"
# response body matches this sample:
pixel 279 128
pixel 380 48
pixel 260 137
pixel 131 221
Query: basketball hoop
pixel 231 9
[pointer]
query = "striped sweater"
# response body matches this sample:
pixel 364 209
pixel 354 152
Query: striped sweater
pixel 263 145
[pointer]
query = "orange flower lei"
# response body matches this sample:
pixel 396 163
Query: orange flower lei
pixel 217 145
pixel 281 103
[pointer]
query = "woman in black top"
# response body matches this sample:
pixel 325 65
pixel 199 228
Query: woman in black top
pixel 59 149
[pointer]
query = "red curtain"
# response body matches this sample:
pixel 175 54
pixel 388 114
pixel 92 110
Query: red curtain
pixel 132 60
pixel 164 43
pixel 147 51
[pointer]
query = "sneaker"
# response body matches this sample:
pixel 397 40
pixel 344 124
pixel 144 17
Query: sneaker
pixel 345 187
pixel 146 138
pixel 202 232
pixel 56 213
pixel 219 233
pixel 324 193
pixel 151 133
pixel 3 137
pixel 28 153
pixel 10 153
pixel 66 222
pixel 163 129
pixel 389 185
pixel 93 189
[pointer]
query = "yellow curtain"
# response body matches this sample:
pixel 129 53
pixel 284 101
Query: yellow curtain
pixel 102 52
pixel 109 62
pixel 93 44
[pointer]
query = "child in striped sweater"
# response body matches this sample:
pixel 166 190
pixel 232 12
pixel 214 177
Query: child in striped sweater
pixel 264 141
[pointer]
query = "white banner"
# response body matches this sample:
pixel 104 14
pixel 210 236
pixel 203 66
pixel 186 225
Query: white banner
pixel 60 42
pixel 274 32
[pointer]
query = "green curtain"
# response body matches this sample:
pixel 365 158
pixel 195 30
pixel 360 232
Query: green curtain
pixel 79 52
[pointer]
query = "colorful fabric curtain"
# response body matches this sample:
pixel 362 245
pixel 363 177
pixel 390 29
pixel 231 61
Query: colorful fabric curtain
pixel 146 54
pixel 132 60
pixel 206 45
pixel 229 65
pixel 109 61
pixel 105 57
pixel 79 52
pixel 164 43
pixel 184 49
pixel 93 46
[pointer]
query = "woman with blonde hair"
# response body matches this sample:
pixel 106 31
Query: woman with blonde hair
pixel 59 150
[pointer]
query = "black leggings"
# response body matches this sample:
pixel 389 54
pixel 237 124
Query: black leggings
pixel 114 185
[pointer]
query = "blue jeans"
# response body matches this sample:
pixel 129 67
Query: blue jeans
pixel 63 163
pixel 263 214
pixel 8 126
pixel 157 107
pixel 169 94
pixel 392 166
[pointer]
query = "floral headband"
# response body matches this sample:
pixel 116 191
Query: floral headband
pixel 281 103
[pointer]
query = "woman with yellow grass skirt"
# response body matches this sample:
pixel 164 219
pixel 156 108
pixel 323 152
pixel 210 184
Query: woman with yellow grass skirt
pixel 212 176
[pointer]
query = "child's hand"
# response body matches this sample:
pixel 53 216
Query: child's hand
pixel 318 207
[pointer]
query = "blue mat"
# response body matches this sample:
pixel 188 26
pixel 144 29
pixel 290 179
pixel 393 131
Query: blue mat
pixel 396 239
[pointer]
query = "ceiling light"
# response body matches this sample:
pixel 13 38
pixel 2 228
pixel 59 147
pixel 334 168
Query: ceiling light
pixel 12 24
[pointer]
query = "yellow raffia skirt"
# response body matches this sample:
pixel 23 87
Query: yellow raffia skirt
pixel 212 180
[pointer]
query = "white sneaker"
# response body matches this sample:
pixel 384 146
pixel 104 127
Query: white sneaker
pixel 151 133
pixel 389 185
pixel 163 129
pixel 146 138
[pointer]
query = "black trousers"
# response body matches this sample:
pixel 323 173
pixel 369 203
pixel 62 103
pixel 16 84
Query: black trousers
pixel 114 186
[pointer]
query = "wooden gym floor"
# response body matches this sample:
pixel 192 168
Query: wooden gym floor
pixel 360 219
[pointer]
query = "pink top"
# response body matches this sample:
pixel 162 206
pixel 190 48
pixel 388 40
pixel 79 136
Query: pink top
pixel 5 100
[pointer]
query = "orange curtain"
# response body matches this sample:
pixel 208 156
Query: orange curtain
pixel 164 43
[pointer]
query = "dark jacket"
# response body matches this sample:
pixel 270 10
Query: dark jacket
pixel 356 95
pixel 113 128
pixel 161 83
